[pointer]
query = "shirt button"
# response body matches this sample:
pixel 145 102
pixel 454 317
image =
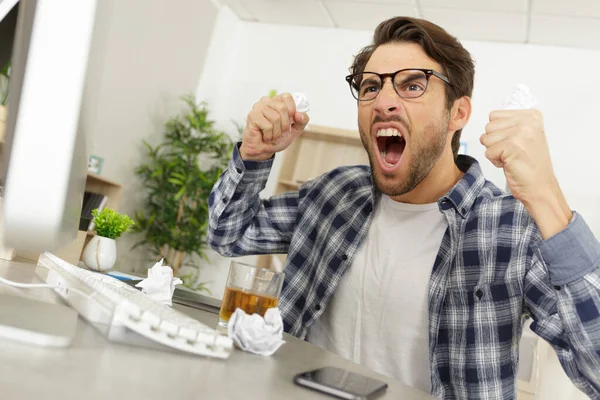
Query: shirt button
pixel 479 294
pixel 318 307
pixel 344 257
pixel 238 170
pixel 225 200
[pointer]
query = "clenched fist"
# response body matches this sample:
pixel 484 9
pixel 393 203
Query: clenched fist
pixel 516 141
pixel 271 126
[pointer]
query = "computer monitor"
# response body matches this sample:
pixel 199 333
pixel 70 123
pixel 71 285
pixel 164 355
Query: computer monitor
pixel 45 152
pixel 8 22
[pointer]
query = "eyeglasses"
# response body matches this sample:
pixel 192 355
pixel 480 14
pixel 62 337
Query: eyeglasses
pixel 408 83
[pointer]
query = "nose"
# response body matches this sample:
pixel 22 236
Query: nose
pixel 387 101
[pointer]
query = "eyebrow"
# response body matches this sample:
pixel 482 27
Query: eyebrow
pixel 413 76
pixel 370 80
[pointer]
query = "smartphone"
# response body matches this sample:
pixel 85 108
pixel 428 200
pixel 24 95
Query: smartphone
pixel 341 383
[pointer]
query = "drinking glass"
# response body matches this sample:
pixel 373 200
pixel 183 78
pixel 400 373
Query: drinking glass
pixel 251 288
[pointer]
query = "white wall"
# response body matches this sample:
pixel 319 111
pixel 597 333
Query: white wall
pixel 148 53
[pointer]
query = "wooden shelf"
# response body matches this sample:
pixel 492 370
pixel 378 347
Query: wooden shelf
pixel 290 184
pixel 91 177
pixel 112 190
pixel 332 134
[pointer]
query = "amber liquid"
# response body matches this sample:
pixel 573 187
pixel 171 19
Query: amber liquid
pixel 251 303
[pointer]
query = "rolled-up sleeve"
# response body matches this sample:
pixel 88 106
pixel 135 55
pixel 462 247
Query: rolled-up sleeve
pixel 572 253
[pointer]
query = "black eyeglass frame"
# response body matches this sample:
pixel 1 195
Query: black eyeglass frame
pixel 428 73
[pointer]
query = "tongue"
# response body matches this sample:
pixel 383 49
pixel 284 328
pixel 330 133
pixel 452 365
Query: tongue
pixel 393 152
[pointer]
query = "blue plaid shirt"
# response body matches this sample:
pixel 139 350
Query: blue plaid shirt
pixel 492 270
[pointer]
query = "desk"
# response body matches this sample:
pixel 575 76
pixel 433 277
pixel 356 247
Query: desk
pixel 95 368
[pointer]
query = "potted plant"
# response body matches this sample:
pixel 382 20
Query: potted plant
pixel 100 253
pixel 4 78
pixel 178 175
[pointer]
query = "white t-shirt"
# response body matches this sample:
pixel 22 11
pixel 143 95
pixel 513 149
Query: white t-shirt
pixel 378 316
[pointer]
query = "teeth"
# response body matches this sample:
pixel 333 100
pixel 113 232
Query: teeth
pixel 388 132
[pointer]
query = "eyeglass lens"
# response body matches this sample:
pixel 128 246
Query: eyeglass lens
pixel 408 84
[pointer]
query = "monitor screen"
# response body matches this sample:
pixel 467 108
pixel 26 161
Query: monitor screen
pixel 45 152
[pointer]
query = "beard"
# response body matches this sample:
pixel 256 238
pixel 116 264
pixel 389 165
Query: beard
pixel 424 156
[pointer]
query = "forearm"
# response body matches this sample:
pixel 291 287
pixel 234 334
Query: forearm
pixel 550 212
pixel 240 223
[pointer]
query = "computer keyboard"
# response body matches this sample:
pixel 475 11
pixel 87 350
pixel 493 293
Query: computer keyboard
pixel 125 314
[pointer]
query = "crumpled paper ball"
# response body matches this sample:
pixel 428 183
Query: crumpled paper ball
pixel 301 102
pixel 160 283
pixel 520 99
pixel 255 334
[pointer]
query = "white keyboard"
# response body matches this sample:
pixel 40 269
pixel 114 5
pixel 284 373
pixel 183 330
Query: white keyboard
pixel 117 309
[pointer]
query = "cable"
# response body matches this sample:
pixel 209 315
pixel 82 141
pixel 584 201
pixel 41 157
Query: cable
pixel 44 286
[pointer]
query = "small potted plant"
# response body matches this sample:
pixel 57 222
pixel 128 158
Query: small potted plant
pixel 100 253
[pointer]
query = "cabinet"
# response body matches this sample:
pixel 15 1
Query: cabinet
pixel 318 150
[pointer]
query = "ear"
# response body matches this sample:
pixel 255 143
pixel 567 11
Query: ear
pixel 460 113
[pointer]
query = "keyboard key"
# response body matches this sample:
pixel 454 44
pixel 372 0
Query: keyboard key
pixel 131 309
pixel 188 333
pixel 169 327
pixel 151 319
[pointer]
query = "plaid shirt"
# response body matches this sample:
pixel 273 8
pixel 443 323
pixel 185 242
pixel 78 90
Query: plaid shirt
pixel 492 270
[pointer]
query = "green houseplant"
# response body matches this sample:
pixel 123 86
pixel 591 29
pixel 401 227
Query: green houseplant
pixel 100 253
pixel 178 175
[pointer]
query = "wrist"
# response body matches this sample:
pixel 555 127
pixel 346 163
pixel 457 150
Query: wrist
pixel 247 155
pixel 550 212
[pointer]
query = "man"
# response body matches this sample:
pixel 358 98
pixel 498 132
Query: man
pixel 418 267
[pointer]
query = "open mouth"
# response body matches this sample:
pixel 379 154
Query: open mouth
pixel 391 145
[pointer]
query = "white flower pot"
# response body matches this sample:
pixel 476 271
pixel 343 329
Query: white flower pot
pixel 100 253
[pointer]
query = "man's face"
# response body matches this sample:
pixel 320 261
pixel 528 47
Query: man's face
pixel 400 164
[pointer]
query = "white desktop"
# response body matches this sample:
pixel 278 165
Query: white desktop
pixel 44 153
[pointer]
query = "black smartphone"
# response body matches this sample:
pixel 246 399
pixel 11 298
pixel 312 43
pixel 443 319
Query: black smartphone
pixel 341 383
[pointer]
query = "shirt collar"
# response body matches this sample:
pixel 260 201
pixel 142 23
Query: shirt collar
pixel 463 195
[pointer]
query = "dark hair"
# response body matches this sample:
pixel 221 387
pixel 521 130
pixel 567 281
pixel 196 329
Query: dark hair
pixel 438 44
